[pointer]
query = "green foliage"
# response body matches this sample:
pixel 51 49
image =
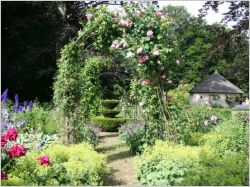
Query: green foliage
pixel 77 165
pixel 110 113
pixel 108 124
pixel 166 163
pixel 180 94
pixel 110 103
pixel 221 159
pixel 231 135
pixel 40 120
pixel 134 134
pixel 196 119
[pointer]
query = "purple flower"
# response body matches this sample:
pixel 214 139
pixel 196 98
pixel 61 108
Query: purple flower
pixel 4 96
pixel 16 99
pixel 15 109
pixel 5 113
pixel 25 104
pixel 30 105
pixel 20 123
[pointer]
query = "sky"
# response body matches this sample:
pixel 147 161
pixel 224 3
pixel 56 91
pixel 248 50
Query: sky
pixel 194 6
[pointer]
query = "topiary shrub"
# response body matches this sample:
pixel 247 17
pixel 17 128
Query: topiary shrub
pixel 108 124
pixel 77 165
pixel 110 113
pixel 110 103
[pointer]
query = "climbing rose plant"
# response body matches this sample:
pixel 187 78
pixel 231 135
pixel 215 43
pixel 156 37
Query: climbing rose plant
pixel 143 38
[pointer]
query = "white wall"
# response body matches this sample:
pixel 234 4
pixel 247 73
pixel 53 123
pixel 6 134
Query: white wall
pixel 208 99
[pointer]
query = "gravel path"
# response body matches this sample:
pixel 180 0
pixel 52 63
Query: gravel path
pixel 120 161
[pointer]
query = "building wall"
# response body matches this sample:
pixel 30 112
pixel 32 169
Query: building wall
pixel 209 99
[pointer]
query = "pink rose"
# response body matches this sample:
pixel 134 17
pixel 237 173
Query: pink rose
pixel 89 16
pixel 177 62
pixel 163 76
pixel 16 151
pixel 170 82
pixel 44 160
pixel 150 33
pixel 142 59
pixel 159 13
pixel 169 98
pixel 115 44
pixel 4 140
pixel 3 176
pixel 11 134
pixel 145 82
pixel 139 50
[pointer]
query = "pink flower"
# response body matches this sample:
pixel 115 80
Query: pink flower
pixel 16 151
pixel 89 16
pixel 142 59
pixel 139 50
pixel 4 140
pixel 115 44
pixel 3 176
pixel 125 44
pixel 163 76
pixel 170 82
pixel 44 160
pixel 150 33
pixel 145 82
pixel 159 13
pixel 177 62
pixel 169 98
pixel 11 134
pixel 125 23
pixel 156 53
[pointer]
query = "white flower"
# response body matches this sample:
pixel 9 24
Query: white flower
pixel 130 54
pixel 141 104
pixel 139 50
pixel 159 62
pixel 213 119
pixel 206 122
pixel 156 53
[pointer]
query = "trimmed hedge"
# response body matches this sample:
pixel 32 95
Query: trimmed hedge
pixel 110 103
pixel 108 124
pixel 77 165
pixel 110 113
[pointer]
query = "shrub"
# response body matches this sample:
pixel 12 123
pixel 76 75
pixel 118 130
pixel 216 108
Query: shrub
pixel 110 103
pixel 110 113
pixel 197 119
pixel 40 120
pixel 166 163
pixel 221 159
pixel 133 133
pixel 108 124
pixel 78 165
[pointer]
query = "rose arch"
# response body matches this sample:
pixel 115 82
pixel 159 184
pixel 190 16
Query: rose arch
pixel 139 39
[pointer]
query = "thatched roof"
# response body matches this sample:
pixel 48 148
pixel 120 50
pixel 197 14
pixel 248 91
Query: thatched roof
pixel 216 83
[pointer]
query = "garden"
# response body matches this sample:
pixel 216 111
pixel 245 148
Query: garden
pixel 120 113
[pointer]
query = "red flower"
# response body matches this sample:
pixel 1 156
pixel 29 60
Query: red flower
pixel 16 151
pixel 12 134
pixel 44 160
pixel 3 176
pixel 3 140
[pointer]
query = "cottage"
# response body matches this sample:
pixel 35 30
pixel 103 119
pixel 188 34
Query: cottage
pixel 214 91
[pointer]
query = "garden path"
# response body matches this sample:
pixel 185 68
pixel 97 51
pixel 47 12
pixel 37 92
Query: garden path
pixel 120 161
